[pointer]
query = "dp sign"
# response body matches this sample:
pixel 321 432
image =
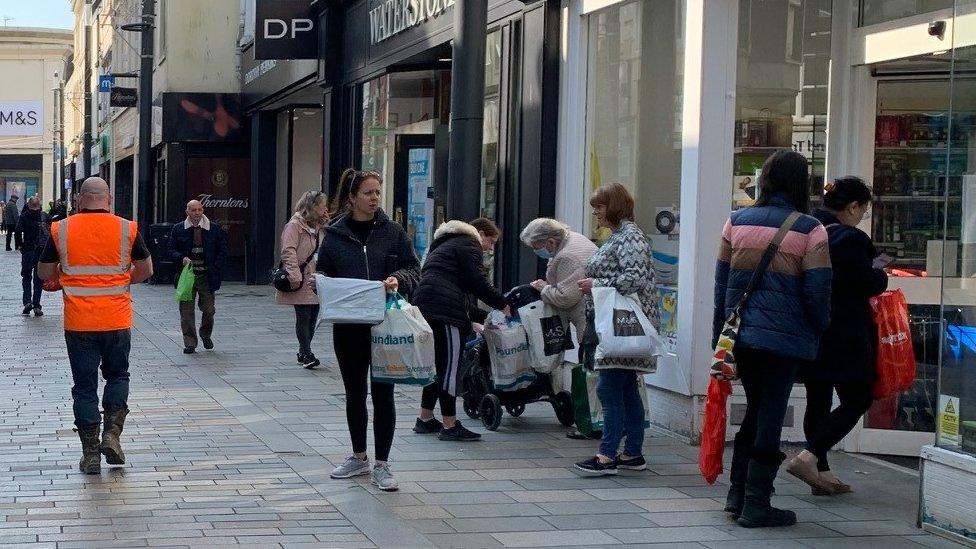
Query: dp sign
pixel 285 29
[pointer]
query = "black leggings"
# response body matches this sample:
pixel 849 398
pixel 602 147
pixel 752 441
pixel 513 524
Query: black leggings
pixel 448 347
pixel 824 428
pixel 306 316
pixel 352 348
pixel 767 379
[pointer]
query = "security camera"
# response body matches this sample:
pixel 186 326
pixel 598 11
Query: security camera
pixel 937 29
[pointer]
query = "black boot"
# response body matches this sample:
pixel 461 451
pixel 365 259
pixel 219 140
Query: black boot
pixel 738 470
pixel 91 458
pixel 756 510
pixel 111 447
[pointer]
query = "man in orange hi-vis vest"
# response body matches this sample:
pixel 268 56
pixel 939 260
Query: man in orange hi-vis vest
pixel 96 256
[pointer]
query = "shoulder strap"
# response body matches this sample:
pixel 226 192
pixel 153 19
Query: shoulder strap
pixel 314 251
pixel 769 254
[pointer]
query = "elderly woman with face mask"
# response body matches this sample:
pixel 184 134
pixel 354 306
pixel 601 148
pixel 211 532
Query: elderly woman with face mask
pixel 567 253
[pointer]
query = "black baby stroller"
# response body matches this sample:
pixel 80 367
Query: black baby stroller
pixel 480 398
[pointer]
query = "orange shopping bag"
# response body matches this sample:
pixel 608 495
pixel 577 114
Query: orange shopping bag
pixel 713 429
pixel 895 362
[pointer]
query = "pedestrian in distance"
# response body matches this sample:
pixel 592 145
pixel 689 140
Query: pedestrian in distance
pixel 780 323
pixel 451 272
pixel 623 262
pixel 31 235
pixel 362 242
pixel 300 242
pixel 846 358
pixel 95 275
pixel 566 253
pixel 202 244
pixel 10 217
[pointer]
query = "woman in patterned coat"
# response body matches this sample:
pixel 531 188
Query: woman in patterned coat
pixel 623 262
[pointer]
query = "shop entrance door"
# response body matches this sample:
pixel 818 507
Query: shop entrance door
pixel 413 184
pixel 915 218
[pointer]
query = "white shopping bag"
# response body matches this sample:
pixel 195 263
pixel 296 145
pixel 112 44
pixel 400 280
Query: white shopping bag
pixel 350 300
pixel 623 328
pixel 511 363
pixel 403 347
pixel 547 334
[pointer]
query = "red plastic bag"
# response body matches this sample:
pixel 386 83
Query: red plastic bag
pixel 895 363
pixel 713 430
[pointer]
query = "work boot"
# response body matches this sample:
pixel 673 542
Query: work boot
pixel 738 471
pixel 111 447
pixel 756 510
pixel 91 458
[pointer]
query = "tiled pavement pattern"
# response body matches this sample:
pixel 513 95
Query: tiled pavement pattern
pixel 234 447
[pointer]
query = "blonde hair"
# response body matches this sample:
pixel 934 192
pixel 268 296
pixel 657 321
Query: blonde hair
pixel 305 208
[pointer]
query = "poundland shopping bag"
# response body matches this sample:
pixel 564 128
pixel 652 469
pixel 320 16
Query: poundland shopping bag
pixel 622 327
pixel 403 346
pixel 511 363
pixel 350 300
pixel 548 335
pixel 184 286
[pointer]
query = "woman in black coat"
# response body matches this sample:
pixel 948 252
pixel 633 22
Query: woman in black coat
pixel 363 243
pixel 452 271
pixel 845 362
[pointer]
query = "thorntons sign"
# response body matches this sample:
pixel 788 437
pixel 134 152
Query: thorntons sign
pixel 395 16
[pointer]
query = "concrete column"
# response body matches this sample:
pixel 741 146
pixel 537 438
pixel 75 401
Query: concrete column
pixel 467 108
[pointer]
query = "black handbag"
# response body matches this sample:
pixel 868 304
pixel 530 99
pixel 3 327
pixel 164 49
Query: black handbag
pixel 279 276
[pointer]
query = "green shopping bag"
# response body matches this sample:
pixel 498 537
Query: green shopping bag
pixel 588 414
pixel 184 287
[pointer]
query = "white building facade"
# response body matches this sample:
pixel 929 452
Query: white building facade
pixel 32 64
pixel 683 100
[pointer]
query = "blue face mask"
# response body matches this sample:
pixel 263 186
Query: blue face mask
pixel 543 253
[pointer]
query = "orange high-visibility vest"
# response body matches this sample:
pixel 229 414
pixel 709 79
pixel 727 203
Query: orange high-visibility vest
pixel 95 251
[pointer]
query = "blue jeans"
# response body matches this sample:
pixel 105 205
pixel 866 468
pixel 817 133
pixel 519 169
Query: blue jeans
pixel 30 280
pixel 623 412
pixel 86 352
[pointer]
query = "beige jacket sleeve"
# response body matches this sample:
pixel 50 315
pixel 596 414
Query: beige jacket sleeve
pixel 290 240
pixel 563 276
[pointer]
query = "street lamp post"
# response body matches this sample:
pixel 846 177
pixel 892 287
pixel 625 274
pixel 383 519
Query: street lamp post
pixel 146 27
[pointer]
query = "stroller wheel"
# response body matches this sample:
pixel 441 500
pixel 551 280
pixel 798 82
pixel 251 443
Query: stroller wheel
pixel 471 408
pixel 562 403
pixel 491 412
pixel 515 410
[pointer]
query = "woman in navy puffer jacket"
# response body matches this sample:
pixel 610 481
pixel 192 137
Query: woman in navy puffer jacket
pixel 780 324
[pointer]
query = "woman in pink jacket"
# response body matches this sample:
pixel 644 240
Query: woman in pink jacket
pixel 300 242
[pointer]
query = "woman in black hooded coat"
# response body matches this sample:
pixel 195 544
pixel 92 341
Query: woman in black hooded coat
pixel 846 359
pixel 451 272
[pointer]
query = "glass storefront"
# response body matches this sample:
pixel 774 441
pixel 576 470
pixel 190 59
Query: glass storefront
pixel 489 151
pixel 956 429
pixel 633 126
pixel 781 90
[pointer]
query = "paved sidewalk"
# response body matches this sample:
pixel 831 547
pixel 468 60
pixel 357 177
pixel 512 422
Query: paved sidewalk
pixel 234 447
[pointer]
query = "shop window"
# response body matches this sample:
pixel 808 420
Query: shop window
pixel 633 124
pixel 306 151
pixel 956 425
pixel 488 204
pixel 781 90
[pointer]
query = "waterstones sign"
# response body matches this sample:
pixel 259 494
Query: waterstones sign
pixel 392 17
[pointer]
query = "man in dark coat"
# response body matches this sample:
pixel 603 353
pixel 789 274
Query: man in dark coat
pixel 10 218
pixel 203 245
pixel 31 235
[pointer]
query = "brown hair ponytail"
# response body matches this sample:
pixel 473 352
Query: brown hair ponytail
pixel 349 183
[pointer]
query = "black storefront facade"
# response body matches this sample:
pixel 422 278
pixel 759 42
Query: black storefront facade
pixel 283 101
pixel 203 155
pixel 385 72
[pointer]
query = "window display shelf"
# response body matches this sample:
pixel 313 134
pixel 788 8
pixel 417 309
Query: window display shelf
pixel 914 198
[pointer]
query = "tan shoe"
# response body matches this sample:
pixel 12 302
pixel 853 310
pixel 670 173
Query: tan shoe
pixel 838 487
pixel 808 473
